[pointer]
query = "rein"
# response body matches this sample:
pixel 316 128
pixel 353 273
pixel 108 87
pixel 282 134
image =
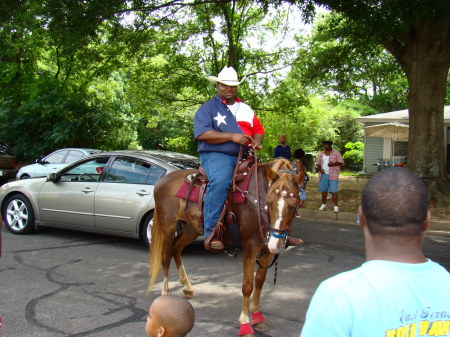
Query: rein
pixel 257 196
pixel 276 233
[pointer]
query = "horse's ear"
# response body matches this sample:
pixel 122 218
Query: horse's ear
pixel 271 176
pixel 299 178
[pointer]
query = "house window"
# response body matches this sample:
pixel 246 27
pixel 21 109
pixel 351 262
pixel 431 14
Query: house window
pixel 400 149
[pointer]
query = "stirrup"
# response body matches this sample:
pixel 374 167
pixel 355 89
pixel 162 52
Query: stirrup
pixel 213 244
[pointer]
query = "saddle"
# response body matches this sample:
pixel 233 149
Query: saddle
pixel 194 188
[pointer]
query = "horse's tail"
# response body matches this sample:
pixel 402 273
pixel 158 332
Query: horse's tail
pixel 156 248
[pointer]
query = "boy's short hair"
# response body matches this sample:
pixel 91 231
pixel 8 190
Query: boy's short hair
pixel 395 203
pixel 175 314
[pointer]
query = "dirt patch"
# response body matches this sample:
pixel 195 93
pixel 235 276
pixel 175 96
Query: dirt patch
pixel 350 188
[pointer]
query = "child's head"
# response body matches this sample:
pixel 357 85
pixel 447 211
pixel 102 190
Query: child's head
pixel 170 316
pixel 299 154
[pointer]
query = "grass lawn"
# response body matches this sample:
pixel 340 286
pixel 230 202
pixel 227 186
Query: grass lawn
pixel 350 187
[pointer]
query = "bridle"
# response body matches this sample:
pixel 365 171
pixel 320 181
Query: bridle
pixel 282 233
pixel 270 231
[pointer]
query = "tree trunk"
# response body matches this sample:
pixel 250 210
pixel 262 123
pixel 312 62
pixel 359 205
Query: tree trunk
pixel 425 58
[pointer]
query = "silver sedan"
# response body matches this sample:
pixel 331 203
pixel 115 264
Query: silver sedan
pixel 108 192
pixel 53 162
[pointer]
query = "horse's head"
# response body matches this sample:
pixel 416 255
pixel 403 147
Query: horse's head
pixel 282 201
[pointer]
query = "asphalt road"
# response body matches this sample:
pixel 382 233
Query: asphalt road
pixel 63 283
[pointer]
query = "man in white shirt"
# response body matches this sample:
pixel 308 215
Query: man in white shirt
pixel 397 292
pixel 329 165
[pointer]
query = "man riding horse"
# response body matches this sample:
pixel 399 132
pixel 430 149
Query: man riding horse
pixel 221 126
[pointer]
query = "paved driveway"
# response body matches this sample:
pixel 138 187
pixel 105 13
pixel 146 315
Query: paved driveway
pixel 62 283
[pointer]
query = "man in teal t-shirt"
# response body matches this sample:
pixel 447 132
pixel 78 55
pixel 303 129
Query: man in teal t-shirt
pixel 397 292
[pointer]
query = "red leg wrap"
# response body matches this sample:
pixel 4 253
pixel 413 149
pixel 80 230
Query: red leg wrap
pixel 246 329
pixel 257 317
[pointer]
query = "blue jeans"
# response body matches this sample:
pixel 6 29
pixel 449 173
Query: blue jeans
pixel 219 168
pixel 302 193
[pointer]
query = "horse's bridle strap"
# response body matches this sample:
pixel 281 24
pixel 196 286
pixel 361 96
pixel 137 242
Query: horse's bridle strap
pixel 277 236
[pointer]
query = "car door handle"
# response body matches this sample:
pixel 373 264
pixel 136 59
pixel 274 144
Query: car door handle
pixel 87 190
pixel 142 193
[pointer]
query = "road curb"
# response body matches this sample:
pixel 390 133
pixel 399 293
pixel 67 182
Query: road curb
pixel 348 217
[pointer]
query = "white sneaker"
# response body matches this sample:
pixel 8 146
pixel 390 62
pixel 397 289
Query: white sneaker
pixel 336 209
pixel 322 208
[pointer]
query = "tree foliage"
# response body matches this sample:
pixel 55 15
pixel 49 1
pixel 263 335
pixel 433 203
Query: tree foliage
pixel 340 58
pixel 116 73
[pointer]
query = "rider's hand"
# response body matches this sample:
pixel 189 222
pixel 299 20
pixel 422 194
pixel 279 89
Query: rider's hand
pixel 241 139
pixel 256 145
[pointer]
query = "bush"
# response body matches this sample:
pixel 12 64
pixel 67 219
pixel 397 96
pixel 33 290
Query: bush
pixel 354 156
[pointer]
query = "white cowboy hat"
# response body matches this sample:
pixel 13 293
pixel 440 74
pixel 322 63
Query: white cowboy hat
pixel 227 76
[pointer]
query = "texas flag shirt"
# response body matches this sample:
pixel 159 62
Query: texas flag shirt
pixel 215 115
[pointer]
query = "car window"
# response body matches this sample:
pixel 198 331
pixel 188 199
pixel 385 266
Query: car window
pixel 87 171
pixel 155 174
pixel 55 158
pixel 128 170
pixel 73 155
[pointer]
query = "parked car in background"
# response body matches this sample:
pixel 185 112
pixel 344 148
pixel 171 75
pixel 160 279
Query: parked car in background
pixel 7 164
pixel 107 192
pixel 53 162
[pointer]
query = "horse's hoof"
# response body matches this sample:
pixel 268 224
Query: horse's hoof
pixel 189 293
pixel 165 292
pixel 261 326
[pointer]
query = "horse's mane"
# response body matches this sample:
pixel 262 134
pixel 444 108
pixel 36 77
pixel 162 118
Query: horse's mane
pixel 281 168
pixel 280 164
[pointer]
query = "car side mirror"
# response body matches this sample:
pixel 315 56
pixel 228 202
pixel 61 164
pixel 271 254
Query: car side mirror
pixel 53 177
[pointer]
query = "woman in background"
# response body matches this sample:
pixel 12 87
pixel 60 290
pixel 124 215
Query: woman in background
pixel 298 166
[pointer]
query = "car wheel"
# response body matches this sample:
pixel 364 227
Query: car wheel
pixel 24 176
pixel 146 231
pixel 18 215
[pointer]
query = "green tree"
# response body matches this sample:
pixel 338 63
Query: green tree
pixel 354 155
pixel 417 34
pixel 338 57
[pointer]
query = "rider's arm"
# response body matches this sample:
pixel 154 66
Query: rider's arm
pixel 216 137
pixel 257 141
pixel 257 132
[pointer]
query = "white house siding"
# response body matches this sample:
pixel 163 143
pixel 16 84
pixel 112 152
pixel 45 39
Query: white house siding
pixel 373 150
pixel 378 148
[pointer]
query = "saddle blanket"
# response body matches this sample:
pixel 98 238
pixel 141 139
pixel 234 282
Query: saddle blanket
pixel 237 197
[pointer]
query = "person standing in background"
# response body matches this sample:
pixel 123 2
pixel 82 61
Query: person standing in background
pixel 298 166
pixel 282 150
pixel 329 165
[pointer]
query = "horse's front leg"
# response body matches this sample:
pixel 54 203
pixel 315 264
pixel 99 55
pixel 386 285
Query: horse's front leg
pixel 249 260
pixel 186 237
pixel 258 320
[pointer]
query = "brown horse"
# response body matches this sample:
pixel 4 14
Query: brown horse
pixel 278 191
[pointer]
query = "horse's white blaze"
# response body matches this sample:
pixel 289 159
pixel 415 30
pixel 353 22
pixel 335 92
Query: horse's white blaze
pixel 273 242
